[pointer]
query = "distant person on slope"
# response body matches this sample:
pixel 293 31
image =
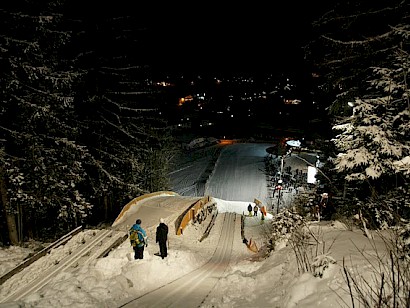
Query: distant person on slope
pixel 139 240
pixel 162 238
pixel 250 209
pixel 279 186
pixel 255 210
pixel 263 210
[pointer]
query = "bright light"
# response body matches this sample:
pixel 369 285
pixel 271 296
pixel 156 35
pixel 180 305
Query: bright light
pixel 311 175
pixel 181 101
pixel 293 143
pixel 226 141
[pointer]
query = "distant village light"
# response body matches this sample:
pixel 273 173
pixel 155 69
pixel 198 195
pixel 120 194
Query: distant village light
pixel 292 101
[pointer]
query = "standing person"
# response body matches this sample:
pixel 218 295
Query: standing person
pixel 263 214
pixel 263 210
pixel 255 210
pixel 279 186
pixel 323 204
pixel 139 239
pixel 250 209
pixel 162 238
pixel 324 198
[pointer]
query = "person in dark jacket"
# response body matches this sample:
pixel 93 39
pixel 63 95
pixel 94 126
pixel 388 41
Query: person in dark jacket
pixel 139 248
pixel 162 238
pixel 250 209
pixel 255 210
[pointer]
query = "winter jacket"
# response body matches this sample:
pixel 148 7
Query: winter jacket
pixel 250 208
pixel 162 233
pixel 143 237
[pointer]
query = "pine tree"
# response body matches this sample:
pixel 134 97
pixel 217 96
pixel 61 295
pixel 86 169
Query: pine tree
pixel 120 114
pixel 375 144
pixel 42 167
pixel 350 40
pixel 367 65
pixel 375 141
pixel 81 131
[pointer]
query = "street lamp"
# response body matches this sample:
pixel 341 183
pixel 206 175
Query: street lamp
pixel 289 152
pixel 352 105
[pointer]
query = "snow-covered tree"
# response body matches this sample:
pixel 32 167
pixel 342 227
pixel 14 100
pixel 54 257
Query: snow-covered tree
pixel 42 167
pixel 374 144
pixel 375 141
pixel 79 128
pixel 119 118
pixel 362 53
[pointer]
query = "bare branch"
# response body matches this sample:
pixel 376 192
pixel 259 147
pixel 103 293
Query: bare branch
pixel 360 42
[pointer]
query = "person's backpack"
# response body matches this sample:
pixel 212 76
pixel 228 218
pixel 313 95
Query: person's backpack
pixel 135 238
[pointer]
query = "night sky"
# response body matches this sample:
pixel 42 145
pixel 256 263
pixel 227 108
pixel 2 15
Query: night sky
pixel 221 37
pixel 233 38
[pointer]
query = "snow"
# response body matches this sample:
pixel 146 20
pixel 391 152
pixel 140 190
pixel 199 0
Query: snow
pixel 264 279
pixel 403 164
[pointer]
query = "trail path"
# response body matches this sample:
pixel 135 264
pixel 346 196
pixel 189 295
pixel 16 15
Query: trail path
pixel 193 288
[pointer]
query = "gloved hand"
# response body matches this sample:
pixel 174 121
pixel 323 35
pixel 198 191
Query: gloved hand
pixel 146 244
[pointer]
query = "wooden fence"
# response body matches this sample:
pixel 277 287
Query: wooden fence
pixel 190 213
pixel 64 239
pixel 137 199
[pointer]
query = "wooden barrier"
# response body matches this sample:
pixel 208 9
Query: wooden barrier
pixel 64 239
pixel 210 225
pixel 189 214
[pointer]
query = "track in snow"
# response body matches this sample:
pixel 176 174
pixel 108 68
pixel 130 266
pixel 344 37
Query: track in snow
pixel 192 289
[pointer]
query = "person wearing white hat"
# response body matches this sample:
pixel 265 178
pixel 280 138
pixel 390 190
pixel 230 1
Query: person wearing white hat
pixel 162 238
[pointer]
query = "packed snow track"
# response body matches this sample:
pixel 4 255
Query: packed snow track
pixel 193 288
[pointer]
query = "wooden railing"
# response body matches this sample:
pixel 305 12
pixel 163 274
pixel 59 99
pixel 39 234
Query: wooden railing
pixel 137 199
pixel 190 213
pixel 61 241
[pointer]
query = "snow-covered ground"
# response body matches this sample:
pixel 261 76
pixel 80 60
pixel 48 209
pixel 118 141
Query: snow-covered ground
pixel 265 279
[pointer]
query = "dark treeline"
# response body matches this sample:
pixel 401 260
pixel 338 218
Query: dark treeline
pixel 82 131
pixel 80 126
